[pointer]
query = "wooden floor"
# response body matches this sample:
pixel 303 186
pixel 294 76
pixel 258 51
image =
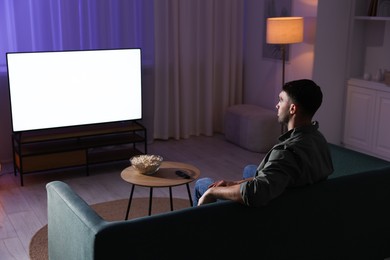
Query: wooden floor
pixel 23 210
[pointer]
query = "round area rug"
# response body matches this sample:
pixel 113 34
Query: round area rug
pixel 110 211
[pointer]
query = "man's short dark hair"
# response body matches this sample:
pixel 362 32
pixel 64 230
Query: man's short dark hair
pixel 306 93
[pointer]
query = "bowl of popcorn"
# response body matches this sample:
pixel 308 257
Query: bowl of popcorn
pixel 146 164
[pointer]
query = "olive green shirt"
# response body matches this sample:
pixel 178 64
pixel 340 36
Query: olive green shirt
pixel 301 157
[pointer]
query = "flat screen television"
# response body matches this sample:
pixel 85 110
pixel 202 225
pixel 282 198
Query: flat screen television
pixel 71 88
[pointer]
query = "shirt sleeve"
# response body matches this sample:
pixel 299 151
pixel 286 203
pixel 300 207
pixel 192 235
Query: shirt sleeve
pixel 271 180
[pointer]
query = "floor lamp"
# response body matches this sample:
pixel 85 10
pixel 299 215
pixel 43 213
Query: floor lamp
pixel 283 31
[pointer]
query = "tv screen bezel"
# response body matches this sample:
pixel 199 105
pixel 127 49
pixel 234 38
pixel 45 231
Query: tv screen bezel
pixel 62 126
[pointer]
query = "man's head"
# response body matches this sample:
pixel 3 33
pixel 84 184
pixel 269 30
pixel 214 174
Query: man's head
pixel 303 97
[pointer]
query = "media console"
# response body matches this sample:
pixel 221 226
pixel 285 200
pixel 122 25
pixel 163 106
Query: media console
pixel 43 150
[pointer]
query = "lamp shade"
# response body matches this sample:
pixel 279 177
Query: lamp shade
pixel 284 30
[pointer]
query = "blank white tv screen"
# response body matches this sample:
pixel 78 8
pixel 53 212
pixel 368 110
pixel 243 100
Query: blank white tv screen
pixel 70 88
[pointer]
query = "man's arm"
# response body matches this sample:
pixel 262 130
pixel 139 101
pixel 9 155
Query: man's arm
pixel 221 192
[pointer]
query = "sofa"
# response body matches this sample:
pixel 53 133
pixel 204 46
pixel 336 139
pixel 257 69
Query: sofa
pixel 344 217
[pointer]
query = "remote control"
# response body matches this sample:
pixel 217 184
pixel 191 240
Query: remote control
pixel 183 174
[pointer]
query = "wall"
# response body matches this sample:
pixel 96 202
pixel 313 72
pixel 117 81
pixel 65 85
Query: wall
pixel 5 120
pixel 263 77
pixel 330 63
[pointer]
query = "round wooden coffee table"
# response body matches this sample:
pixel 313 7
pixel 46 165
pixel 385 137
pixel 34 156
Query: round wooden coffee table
pixel 165 177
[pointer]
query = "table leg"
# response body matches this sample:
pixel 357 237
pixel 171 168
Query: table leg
pixel 128 205
pixel 189 194
pixel 150 200
pixel 170 198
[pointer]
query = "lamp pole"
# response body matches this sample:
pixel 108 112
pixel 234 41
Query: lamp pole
pixel 283 47
pixel 283 127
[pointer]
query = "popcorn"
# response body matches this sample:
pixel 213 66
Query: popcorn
pixel 146 164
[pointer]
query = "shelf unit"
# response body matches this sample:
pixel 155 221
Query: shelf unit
pixel 369 41
pixel 43 150
pixel 366 125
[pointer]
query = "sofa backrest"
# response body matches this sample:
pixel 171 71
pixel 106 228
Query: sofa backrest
pixel 347 161
pixel 342 218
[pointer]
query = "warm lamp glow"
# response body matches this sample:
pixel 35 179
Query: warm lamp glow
pixel 284 30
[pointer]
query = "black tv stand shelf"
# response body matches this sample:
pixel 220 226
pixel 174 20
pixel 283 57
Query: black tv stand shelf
pixel 43 150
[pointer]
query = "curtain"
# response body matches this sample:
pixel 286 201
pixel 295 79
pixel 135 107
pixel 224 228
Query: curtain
pixel 46 25
pixel 198 65
pixel 192 51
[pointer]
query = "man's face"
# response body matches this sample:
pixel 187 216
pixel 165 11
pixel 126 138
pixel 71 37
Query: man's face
pixel 283 107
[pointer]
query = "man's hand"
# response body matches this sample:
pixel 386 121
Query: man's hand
pixel 206 198
pixel 221 183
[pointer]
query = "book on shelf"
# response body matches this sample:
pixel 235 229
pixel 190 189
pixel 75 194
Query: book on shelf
pixel 372 8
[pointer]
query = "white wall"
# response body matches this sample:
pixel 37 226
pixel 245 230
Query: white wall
pixel 330 62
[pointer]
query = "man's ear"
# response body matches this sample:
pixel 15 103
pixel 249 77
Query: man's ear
pixel 293 109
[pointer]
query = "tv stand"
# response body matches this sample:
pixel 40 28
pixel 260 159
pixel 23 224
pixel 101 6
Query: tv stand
pixel 43 150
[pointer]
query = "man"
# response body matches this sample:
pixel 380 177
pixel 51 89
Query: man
pixel 301 157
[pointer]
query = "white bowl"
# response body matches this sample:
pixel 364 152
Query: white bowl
pixel 146 164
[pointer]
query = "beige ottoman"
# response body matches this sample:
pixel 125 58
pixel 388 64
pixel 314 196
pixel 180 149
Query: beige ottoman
pixel 252 127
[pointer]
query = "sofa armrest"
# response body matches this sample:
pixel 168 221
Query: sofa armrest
pixel 72 224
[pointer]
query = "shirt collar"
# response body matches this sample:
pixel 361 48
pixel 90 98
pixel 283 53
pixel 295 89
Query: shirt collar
pixel 297 130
